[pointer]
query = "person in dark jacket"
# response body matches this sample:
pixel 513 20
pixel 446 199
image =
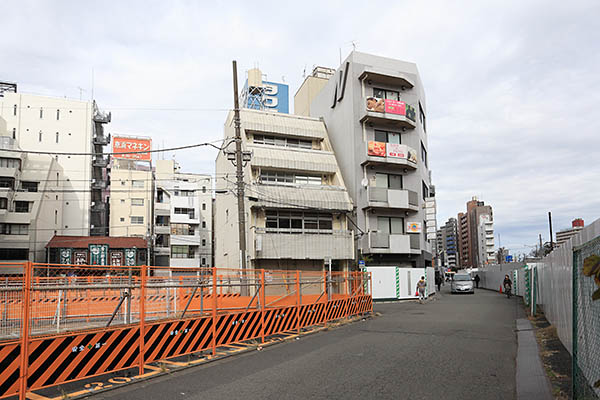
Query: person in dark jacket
pixel 438 282
pixel 477 279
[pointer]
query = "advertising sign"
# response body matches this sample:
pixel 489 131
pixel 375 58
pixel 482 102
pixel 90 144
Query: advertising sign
pixel 412 155
pixel 129 257
pixel 65 256
pixel 116 258
pixel 395 107
pixel 98 254
pixel 276 97
pixel 396 150
pixel 375 104
pixel 413 227
pixel 411 113
pixel 125 144
pixel 80 257
pixel 376 149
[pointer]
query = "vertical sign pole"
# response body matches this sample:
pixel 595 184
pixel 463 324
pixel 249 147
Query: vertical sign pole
pixel 25 331
pixel 142 308
pixel 262 312
pixel 298 301
pixel 214 312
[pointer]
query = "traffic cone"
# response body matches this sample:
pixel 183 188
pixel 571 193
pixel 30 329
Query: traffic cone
pixel 500 288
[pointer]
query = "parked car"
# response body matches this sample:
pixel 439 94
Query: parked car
pixel 462 283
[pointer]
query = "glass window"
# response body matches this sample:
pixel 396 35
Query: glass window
pixel 392 95
pixel 397 226
pixel 203 242
pixel 381 180
pixel 424 154
pixel 22 206
pixel 137 202
pixel 3 203
pixel 137 183
pixel 425 190
pixel 136 220
pixel 393 137
pixel 179 251
pixel 14 133
pixel 41 113
pixel 57 115
pixel 40 136
pixel 29 186
pixel 395 181
pixel 203 224
pixel 203 206
pixel 15 109
pixel 383 224
pixel 379 93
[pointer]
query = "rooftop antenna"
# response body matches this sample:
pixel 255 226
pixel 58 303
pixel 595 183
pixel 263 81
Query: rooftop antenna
pixel 304 72
pixel 353 45
pixel 81 90
pixel 92 83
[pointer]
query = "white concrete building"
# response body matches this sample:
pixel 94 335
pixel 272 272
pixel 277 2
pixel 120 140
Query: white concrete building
pixel 41 123
pixel 485 238
pixel 183 217
pixel 31 202
pixel 296 201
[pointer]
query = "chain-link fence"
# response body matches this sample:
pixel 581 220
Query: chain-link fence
pixel 586 320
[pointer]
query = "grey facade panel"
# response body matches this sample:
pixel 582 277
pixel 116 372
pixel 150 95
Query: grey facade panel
pixel 300 198
pixel 282 158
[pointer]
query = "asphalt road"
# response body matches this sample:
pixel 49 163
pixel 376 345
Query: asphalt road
pixel 454 347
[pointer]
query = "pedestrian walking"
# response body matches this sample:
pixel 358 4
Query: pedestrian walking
pixel 421 285
pixel 438 282
pixel 477 279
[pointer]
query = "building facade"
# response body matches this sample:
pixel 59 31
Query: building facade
pixel 576 226
pixel 40 123
pixel 375 112
pixel 182 217
pixel 296 202
pixel 31 202
pixel 476 235
pixel 449 243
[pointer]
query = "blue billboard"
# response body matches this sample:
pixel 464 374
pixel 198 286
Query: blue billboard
pixel 274 98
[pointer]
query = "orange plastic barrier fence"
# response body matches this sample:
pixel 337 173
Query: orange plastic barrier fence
pixel 60 323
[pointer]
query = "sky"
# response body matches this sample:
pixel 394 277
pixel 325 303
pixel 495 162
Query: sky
pixel 512 87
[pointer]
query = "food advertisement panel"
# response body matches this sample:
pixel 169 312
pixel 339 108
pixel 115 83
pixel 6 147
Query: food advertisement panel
pixel 376 149
pixel 375 104
pixel 413 227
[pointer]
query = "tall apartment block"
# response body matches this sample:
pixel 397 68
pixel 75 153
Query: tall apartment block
pixel 448 243
pixel 40 123
pixel 563 235
pixel 31 202
pixel 476 235
pixel 182 217
pixel 296 201
pixel 375 112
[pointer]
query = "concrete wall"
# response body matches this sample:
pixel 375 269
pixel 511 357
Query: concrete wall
pixel 400 283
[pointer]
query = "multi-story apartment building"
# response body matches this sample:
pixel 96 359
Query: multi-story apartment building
pixel 131 194
pixel 182 217
pixel 566 234
pixel 449 243
pixel 375 112
pixel 40 123
pixel 31 201
pixel 296 202
pixel 476 234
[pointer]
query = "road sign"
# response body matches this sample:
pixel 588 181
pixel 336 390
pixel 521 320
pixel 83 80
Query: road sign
pixel 509 259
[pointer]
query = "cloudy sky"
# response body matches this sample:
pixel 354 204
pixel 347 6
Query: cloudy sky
pixel 512 86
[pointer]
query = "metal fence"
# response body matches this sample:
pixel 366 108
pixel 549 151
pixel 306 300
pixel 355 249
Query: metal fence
pixel 66 322
pixel 586 320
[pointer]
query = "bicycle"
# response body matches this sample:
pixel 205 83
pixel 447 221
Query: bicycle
pixel 507 290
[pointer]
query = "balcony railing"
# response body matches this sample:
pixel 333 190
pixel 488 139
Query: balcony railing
pixel 102 139
pixel 388 113
pixel 393 198
pixel 100 162
pixel 385 243
pixel 303 244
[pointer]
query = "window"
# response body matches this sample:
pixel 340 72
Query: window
pixel 179 251
pixel 135 220
pixel 14 133
pixel 422 118
pixel 21 206
pixel 184 193
pixel 7 182
pixel 390 225
pixel 10 163
pixel 3 203
pixel 57 115
pixel 296 221
pixel 203 242
pixel 188 211
pixel 56 137
pixel 15 109
pixel 14 229
pixel 386 94
pixel 137 202
pixel 122 201
pixel 182 229
pixel 203 189
pixel 203 206
pixel 122 219
pixel 14 254
pixel 137 183
pixel 55 216
pixel 123 184
pixel 203 263
pixel 40 136
pixel 387 137
pixel 388 181
pixel 425 190
pixel 57 178
pixel 29 186
pixel 203 224
pixel 280 177
pixel 424 154
pixel 283 142
pixel 41 113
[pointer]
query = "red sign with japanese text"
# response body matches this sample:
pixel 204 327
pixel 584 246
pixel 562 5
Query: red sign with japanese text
pixel 126 145
pixel 395 107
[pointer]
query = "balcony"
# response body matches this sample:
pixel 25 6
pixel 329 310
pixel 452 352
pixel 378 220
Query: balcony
pixel 98 207
pixel 162 208
pixel 385 243
pixel 99 185
pixel 308 244
pixel 102 116
pixel 373 75
pixel 102 140
pixel 391 155
pixel 387 113
pixel 100 162
pixel 392 198
pixel 162 229
pixel 162 250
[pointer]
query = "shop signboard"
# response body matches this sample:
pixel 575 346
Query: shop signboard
pixel 376 149
pixel 396 150
pixel 81 257
pixel 98 254
pixel 413 227
pixel 116 258
pixel 126 144
pixel 130 257
pixel 66 256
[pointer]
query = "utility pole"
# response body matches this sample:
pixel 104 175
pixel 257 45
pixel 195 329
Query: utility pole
pixel 240 180
pixel 541 252
pixel 550 225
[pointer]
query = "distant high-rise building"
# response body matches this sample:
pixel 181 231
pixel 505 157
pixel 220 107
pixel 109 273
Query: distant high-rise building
pixel 566 234
pixel 447 239
pixel 476 234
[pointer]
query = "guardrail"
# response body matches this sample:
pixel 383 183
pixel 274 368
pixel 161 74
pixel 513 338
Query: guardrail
pixel 61 323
